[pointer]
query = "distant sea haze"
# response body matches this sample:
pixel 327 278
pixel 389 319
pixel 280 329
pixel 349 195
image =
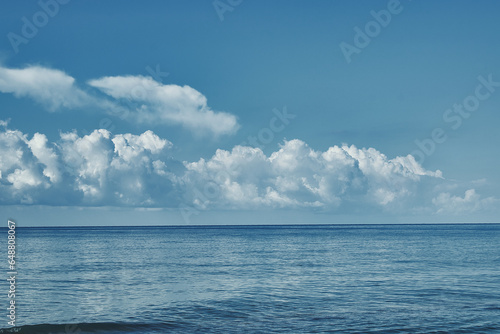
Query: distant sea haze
pixel 259 279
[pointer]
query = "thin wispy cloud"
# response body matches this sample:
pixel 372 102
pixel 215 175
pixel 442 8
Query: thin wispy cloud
pixel 132 98
pixel 53 89
pixel 170 104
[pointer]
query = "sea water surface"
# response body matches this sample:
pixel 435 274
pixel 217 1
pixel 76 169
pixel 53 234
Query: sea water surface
pixel 258 279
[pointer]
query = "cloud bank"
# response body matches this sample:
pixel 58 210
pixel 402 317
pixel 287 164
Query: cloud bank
pixel 101 169
pixel 133 98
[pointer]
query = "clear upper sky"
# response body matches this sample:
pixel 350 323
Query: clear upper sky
pixel 219 70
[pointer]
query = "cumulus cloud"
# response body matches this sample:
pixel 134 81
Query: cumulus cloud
pixel 19 169
pixel 137 170
pixel 471 202
pixel 134 98
pixel 96 169
pixel 296 175
pixel 46 156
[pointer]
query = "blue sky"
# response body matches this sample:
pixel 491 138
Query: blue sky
pixel 218 83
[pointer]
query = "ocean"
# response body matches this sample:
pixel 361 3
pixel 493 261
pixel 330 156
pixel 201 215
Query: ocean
pixel 257 279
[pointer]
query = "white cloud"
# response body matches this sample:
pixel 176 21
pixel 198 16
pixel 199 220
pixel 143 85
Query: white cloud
pixel 21 178
pixel 297 175
pixel 46 156
pixel 133 98
pixel 470 203
pixel 52 88
pixel 20 172
pixel 136 170
pixel 89 158
pixel 97 169
pixel 132 149
pixel 169 104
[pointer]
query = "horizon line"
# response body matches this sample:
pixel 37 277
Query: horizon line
pixel 256 225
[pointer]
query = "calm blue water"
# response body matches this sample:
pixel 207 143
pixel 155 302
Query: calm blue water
pixel 292 279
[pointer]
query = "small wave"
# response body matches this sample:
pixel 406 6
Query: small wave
pixel 99 327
